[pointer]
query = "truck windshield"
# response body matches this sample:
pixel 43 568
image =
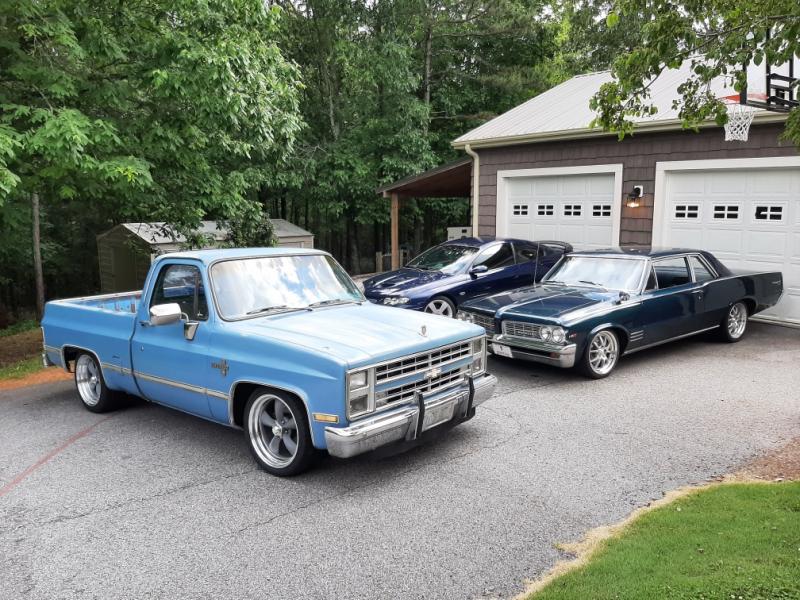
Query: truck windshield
pixel 598 271
pixel 447 258
pixel 272 284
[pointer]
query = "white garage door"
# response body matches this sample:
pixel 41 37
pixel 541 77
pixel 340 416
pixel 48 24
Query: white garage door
pixel 578 209
pixel 750 219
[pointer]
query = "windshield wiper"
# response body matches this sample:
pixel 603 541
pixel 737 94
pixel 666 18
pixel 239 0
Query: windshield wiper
pixel 331 302
pixel 592 283
pixel 554 281
pixel 269 309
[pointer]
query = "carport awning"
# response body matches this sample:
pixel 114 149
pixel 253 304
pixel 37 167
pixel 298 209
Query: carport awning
pixel 446 181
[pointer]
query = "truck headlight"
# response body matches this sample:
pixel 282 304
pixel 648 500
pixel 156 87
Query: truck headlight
pixel 558 335
pixel 395 300
pixel 465 316
pixel 478 356
pixel 360 394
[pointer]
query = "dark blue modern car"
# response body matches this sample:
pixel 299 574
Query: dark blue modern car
pixel 441 278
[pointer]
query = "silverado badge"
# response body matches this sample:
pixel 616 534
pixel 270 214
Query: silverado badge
pixel 222 366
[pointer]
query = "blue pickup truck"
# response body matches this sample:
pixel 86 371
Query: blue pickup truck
pixel 278 342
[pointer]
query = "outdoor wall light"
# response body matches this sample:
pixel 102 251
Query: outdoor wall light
pixel 634 196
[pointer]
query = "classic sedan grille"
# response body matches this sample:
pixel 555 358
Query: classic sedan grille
pixel 486 322
pixel 522 330
pixel 419 363
pixel 405 393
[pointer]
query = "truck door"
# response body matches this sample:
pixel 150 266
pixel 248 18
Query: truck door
pixel 169 368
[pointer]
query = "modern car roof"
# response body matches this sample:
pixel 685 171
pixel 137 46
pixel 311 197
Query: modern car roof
pixel 634 251
pixel 210 256
pixel 480 241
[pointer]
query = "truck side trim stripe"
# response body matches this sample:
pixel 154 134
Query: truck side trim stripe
pixel 184 386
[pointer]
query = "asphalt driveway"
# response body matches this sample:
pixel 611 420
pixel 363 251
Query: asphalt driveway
pixel 151 503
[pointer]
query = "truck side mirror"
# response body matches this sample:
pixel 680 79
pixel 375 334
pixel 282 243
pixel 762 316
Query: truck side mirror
pixel 190 329
pixel 164 314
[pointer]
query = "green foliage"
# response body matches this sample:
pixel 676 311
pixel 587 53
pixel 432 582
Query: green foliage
pixel 21 369
pixel 717 36
pixel 19 327
pixel 731 541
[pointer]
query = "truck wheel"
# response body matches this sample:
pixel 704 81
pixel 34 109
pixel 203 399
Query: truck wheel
pixel 734 324
pixel 91 386
pixel 278 433
pixel 439 305
pixel 601 355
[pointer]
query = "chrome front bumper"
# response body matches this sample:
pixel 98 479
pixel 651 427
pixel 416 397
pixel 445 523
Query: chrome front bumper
pixel 541 352
pixel 407 422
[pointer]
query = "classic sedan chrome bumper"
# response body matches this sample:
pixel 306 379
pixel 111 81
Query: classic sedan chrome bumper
pixel 407 422
pixel 535 351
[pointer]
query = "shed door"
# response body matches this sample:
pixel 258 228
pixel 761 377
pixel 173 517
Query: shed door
pixel 578 209
pixel 750 219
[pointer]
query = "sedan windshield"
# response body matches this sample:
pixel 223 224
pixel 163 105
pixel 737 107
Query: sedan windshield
pixel 598 271
pixel 274 284
pixel 446 258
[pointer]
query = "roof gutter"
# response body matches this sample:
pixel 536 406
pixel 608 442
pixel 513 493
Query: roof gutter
pixel 476 186
pixel 574 134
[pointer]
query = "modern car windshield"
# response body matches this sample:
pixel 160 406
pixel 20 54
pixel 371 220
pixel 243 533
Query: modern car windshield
pixel 598 271
pixel 274 284
pixel 447 258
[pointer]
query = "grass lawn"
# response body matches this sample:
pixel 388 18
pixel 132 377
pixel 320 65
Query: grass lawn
pixel 21 368
pixel 728 542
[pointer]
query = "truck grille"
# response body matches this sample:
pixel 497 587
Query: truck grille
pixel 486 322
pixel 405 393
pixel 522 330
pixel 420 363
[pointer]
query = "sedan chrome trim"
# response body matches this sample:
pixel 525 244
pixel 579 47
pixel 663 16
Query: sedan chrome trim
pixel 672 339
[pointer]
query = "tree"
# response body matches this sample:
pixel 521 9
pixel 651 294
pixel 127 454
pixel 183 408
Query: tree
pixel 145 110
pixel 718 37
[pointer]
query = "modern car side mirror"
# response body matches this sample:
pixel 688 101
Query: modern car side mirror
pixel 477 270
pixel 164 314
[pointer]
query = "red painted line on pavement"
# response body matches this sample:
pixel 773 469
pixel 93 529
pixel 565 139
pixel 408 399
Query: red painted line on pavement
pixel 49 456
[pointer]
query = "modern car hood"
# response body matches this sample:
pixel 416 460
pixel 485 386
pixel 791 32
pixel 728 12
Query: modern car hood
pixel 358 334
pixel 401 280
pixel 552 302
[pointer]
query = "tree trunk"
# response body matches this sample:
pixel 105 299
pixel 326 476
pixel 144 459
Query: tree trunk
pixel 38 274
pixel 355 257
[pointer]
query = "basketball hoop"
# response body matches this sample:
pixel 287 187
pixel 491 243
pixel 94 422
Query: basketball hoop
pixel 740 116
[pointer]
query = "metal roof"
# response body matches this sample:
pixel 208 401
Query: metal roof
pixel 450 180
pixel 563 112
pixel 158 233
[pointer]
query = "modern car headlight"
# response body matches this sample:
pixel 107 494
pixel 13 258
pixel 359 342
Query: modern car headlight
pixel 395 300
pixel 360 394
pixel 558 335
pixel 478 355
pixel 465 316
pixel 546 333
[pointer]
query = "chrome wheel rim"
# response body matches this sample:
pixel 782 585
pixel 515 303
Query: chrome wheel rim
pixel 603 352
pixel 87 376
pixel 273 431
pixel 439 307
pixel 737 320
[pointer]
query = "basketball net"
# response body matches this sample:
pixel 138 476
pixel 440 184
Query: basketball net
pixel 740 117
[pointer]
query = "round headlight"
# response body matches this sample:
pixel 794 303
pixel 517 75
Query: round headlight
pixel 558 335
pixel 545 333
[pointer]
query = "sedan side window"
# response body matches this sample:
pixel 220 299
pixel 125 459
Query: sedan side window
pixel 652 284
pixel 671 272
pixel 495 257
pixel 701 272
pixel 526 252
pixel 182 284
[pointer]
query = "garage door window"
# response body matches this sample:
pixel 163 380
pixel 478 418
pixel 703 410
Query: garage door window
pixel 687 211
pixel 601 210
pixel 726 211
pixel 572 210
pixel 544 210
pixel 520 210
pixel 769 213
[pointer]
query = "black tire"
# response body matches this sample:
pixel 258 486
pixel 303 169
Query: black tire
pixel 278 458
pixel 734 324
pixel 441 305
pixel 600 347
pixel 91 386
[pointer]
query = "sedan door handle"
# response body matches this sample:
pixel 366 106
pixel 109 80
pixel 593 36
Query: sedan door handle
pixel 699 293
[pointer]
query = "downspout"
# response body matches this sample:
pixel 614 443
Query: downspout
pixel 476 186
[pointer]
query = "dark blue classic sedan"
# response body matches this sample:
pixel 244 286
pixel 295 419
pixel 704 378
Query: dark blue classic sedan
pixel 596 306
pixel 441 278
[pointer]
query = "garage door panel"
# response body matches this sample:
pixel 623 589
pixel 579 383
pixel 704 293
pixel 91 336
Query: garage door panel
pixel 764 244
pixel 602 186
pixel 545 186
pixel 724 240
pixel 519 188
pixel 773 182
pixel 726 184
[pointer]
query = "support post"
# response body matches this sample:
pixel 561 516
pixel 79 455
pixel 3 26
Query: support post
pixel 395 231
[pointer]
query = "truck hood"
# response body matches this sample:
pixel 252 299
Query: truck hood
pixel 550 302
pixel 360 334
pixel 402 280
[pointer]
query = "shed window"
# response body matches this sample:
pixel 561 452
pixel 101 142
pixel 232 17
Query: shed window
pixel 572 210
pixel 687 211
pixel 601 210
pixel 520 210
pixel 544 210
pixel 726 211
pixel 769 213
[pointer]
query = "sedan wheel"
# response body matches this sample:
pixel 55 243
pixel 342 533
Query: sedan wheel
pixel 278 434
pixel 441 306
pixel 602 354
pixel 735 323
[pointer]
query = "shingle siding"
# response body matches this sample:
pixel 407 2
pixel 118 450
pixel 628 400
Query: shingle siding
pixel 638 155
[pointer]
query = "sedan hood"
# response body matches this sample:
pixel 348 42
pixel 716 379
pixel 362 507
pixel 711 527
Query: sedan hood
pixel 361 334
pixel 550 302
pixel 401 280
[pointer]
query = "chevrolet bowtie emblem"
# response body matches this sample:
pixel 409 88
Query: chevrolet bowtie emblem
pixel 433 373
pixel 423 331
pixel 222 366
